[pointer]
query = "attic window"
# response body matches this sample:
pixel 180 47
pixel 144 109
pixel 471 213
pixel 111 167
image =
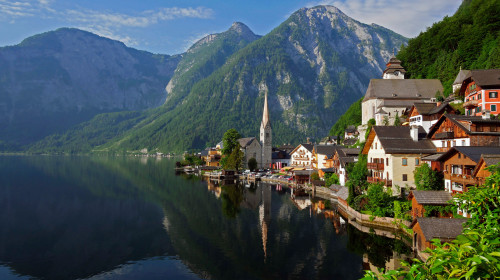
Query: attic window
pixel 394 95
pixel 418 95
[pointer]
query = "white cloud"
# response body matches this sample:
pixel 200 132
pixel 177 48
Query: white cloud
pixel 16 9
pixel 145 18
pixel 406 17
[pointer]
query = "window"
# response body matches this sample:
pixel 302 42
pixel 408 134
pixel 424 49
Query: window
pixel 405 162
pixel 463 142
pixel 417 161
pixel 493 94
pixel 405 177
pixel 387 161
pixel 459 155
pixel 479 97
pixel 493 108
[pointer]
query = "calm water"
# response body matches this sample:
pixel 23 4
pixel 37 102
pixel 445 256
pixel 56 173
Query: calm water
pixel 133 218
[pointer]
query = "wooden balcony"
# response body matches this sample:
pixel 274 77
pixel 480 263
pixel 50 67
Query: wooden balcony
pixel 375 166
pixel 387 183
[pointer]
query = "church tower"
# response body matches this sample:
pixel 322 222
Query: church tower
pixel 266 137
pixel 393 69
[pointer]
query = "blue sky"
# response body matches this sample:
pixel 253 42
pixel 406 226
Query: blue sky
pixel 171 26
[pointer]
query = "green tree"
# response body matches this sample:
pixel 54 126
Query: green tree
pixel 379 201
pixel 314 176
pixel 370 123
pixel 428 179
pixel 475 254
pixel 357 175
pixel 397 121
pixel 331 179
pixel 235 160
pixel 230 141
pixel 386 120
pixel 252 164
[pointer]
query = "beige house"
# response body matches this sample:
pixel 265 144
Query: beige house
pixel 393 153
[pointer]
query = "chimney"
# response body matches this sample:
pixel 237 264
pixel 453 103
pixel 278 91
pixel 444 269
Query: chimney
pixel 438 103
pixel 414 133
pixel 486 115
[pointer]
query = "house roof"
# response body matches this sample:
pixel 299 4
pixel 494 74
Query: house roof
pixel 328 170
pixel 350 151
pixel 465 123
pixel 403 89
pixel 308 147
pixel 351 129
pixel 397 140
pixel 396 103
pixel 431 108
pixel 431 197
pixel 326 149
pixel 345 160
pixel 444 229
pixel 350 141
pixel 244 142
pixel 433 157
pixel 486 78
pixel 462 75
pixel 491 159
pixel 472 152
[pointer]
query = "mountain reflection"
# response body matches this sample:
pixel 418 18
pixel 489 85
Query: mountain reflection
pixel 81 217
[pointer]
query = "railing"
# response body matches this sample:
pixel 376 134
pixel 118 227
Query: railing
pixel 375 166
pixel 377 180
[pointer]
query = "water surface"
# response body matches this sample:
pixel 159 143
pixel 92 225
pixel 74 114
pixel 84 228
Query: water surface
pixel 133 218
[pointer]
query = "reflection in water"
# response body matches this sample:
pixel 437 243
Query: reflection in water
pixel 128 218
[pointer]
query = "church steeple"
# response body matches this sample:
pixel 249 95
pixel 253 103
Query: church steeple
pixel 265 114
pixel 266 137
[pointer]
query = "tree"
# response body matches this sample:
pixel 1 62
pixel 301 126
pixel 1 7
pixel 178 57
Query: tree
pixel 370 123
pixel 252 164
pixel 331 179
pixel 397 121
pixel 428 179
pixel 235 160
pixel 475 254
pixel 230 141
pixel 357 175
pixel 386 120
pixel 314 176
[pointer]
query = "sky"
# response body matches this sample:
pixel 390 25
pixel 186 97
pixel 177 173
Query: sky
pixel 172 26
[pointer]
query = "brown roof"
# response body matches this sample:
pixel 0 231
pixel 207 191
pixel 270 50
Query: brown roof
pixel 444 229
pixel 326 149
pixel 393 65
pixel 350 141
pixel 431 197
pixel 403 88
pixel 350 151
pixel 485 78
pixel 397 140
pixel 491 159
pixel 431 108
pixel 472 152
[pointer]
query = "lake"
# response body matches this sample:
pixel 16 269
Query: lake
pixel 134 218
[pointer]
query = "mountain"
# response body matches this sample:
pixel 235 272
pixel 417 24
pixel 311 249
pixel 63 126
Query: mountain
pixel 204 57
pixel 52 81
pixel 313 66
pixel 470 39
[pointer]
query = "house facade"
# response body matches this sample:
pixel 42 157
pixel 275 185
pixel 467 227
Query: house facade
pixel 420 199
pixel 393 153
pixel 458 130
pixel 302 156
pixel 480 89
pixel 427 114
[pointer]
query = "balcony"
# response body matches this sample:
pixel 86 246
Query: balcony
pixel 387 183
pixel 375 166
pixel 471 104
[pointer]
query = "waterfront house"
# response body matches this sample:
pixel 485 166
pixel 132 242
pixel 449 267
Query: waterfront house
pixel 421 199
pixel 302 156
pixel 480 89
pixel 458 130
pixel 459 164
pixel 426 229
pixel 393 153
pixel 342 158
pixel 211 157
pixel 281 158
pixel 321 154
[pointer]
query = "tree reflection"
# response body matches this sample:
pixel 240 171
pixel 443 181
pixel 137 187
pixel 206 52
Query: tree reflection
pixel 232 196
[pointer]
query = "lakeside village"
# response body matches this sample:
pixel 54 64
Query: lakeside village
pixel 400 169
